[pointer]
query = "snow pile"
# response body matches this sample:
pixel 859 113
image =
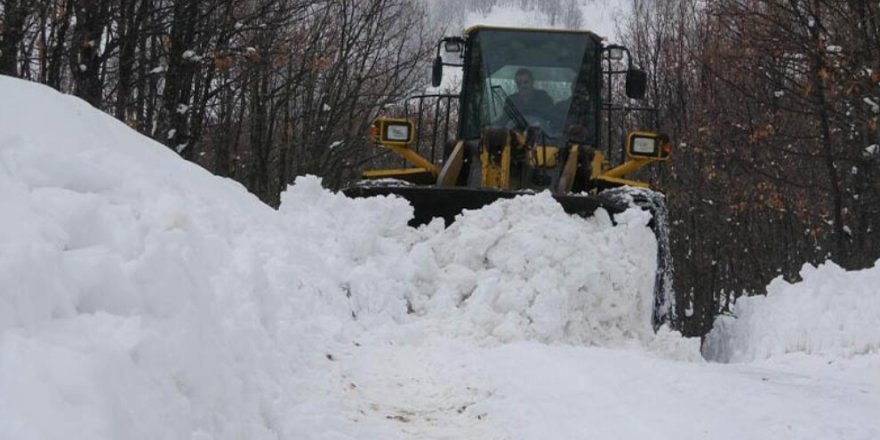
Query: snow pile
pixel 831 312
pixel 134 299
pixel 358 250
pixel 523 269
pixel 519 269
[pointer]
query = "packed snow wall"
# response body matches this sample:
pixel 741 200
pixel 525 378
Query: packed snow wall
pixel 830 312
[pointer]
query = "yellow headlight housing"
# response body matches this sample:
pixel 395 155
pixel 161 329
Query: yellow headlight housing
pixel 648 145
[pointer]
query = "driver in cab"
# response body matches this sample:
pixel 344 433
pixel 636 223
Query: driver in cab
pixel 529 100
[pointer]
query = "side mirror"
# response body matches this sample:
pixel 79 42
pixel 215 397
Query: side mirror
pixel 648 145
pixel 636 83
pixel 437 72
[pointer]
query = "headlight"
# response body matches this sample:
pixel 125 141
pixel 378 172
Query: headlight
pixel 392 132
pixel 644 146
pixel 647 145
pixel 397 132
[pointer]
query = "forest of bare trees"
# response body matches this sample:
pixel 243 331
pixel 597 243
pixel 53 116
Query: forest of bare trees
pixel 773 106
pixel 256 90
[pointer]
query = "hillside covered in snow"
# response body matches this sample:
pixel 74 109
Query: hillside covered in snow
pixel 143 298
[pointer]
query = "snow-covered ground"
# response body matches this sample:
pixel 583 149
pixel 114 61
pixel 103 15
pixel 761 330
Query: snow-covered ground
pixel 143 298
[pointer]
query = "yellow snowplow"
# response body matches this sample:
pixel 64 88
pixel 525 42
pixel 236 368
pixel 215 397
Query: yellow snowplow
pixel 529 118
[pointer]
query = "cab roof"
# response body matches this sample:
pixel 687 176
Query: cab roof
pixel 476 28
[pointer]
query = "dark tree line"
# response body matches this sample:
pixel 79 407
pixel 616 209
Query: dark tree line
pixel 256 90
pixel 774 105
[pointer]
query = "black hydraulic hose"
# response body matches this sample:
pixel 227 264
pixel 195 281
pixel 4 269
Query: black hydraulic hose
pixel 610 97
pixel 434 135
pixel 446 130
pixel 419 124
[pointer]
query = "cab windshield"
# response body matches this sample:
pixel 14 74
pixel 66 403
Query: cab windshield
pixel 544 79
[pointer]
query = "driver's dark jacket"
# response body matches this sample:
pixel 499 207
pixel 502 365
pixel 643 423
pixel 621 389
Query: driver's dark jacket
pixel 539 104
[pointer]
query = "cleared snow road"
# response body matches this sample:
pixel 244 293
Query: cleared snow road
pixel 531 391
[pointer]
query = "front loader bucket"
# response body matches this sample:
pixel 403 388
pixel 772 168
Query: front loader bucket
pixel 429 202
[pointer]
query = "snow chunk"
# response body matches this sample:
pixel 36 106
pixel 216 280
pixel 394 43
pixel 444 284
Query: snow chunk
pixel 191 55
pixel 875 107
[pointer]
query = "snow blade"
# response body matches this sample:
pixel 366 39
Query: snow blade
pixel 429 201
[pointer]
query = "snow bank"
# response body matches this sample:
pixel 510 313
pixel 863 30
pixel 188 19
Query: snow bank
pixel 135 294
pixel 831 312
pixel 520 269
pixel 523 269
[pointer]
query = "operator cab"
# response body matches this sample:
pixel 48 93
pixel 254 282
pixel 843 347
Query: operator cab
pixel 565 70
